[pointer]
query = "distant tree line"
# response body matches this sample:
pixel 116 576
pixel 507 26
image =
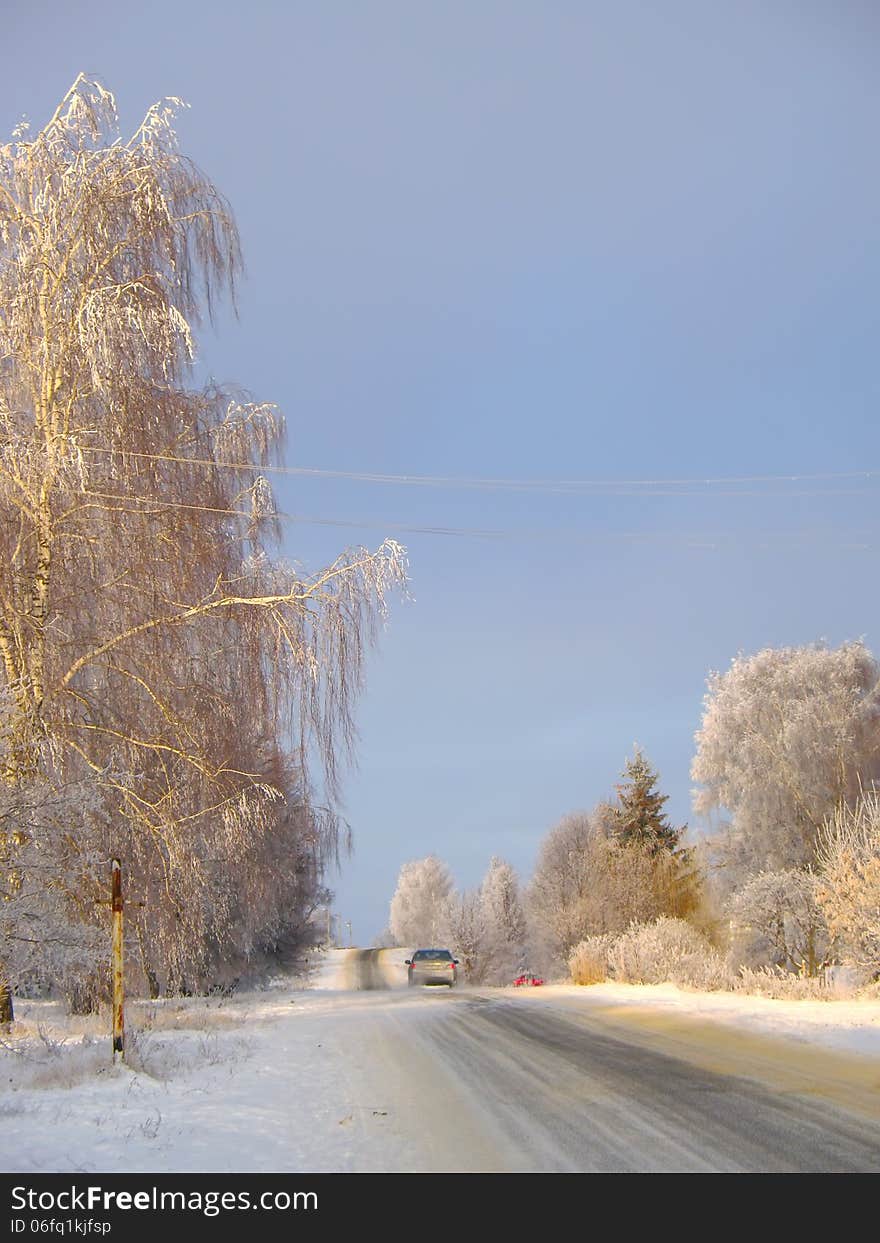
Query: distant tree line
pixel 595 873
pixel 785 885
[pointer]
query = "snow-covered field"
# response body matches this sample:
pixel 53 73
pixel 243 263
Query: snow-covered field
pixel 258 1082
pixel 316 1074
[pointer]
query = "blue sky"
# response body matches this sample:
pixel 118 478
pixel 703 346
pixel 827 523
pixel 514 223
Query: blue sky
pixel 561 241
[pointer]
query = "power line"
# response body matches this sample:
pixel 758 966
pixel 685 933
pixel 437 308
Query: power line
pixel 695 539
pixel 161 503
pixel 598 487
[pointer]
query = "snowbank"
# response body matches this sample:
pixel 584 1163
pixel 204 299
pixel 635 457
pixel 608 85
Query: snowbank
pixel 849 1026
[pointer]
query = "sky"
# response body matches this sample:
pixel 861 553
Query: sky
pixel 604 242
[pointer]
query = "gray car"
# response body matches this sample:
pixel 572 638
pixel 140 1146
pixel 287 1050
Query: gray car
pixel 432 967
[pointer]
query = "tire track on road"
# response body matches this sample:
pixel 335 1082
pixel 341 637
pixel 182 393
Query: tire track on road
pixel 580 1097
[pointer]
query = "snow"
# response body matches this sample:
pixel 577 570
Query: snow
pixel 332 972
pixel 313 1074
pixel 848 1026
pixel 266 1081
pixel 394 966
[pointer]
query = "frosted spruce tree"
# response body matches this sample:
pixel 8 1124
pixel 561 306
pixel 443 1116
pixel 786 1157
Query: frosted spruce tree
pixel 638 818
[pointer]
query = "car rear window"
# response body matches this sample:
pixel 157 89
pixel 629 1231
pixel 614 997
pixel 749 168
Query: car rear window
pixel 421 954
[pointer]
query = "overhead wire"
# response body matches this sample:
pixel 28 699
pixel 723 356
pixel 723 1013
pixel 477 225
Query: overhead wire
pixel 599 487
pixel 693 539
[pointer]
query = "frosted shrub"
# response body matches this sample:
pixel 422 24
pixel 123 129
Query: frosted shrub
pixel 666 950
pixel 849 884
pixel 588 960
pixel 776 982
pixel 776 920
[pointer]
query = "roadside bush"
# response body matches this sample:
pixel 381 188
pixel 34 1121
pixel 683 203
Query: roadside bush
pixel 776 982
pixel 588 960
pixel 666 950
pixel 849 882
pixel 776 920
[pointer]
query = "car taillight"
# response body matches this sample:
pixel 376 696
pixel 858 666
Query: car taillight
pixel 452 966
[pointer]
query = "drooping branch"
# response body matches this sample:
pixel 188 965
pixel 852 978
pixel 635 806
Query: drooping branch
pixel 152 645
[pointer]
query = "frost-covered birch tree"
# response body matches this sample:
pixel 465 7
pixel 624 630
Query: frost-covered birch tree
pixel 558 899
pixel 151 640
pixel 787 736
pixel 419 907
pixel 466 932
pixel 504 920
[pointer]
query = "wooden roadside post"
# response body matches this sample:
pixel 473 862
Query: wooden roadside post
pixel 117 961
pixel 117 956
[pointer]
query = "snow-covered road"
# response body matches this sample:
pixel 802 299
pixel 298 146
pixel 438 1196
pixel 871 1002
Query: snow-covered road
pixel 491 1080
pixel 563 1091
pixel 349 1076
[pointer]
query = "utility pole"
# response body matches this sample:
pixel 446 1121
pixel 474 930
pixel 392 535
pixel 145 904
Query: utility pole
pixel 329 928
pixel 348 926
pixel 117 964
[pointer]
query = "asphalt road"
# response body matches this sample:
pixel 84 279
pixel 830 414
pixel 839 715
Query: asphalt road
pixel 489 1082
